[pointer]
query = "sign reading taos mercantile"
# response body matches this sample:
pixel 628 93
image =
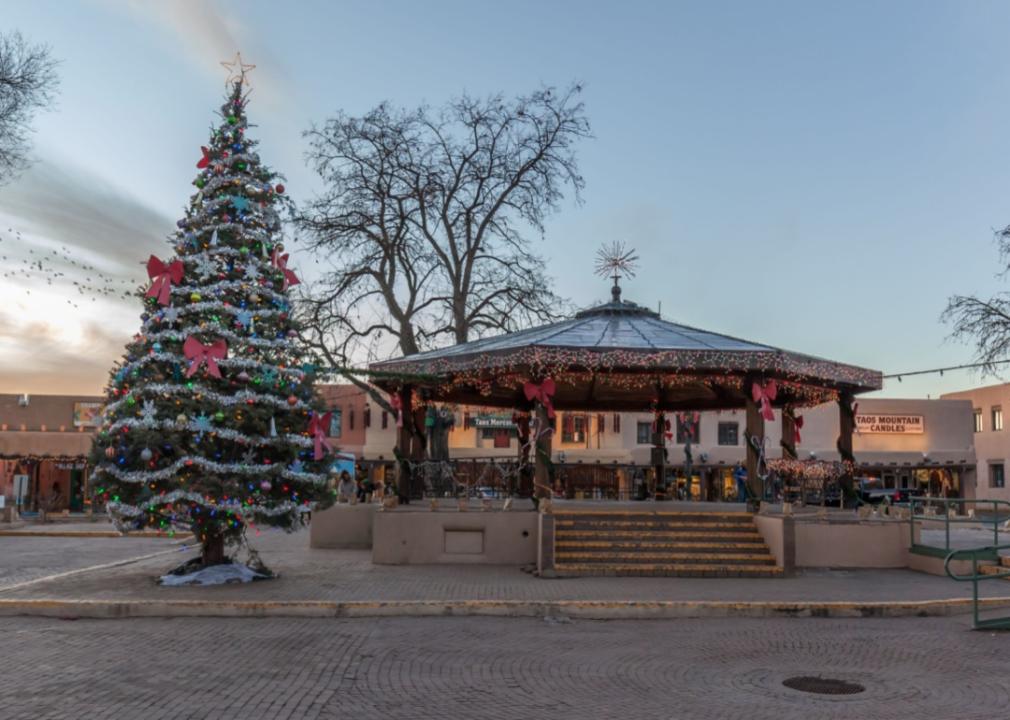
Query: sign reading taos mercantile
pixel 890 424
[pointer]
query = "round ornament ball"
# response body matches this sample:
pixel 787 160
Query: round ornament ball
pixel 195 297
pixel 265 485
pixel 254 298
pixel 146 454
pixel 181 419
pixel 279 189
pixel 232 119
pixel 243 250
pixel 292 333
pixel 292 400
pixel 219 416
pixel 243 377
pixel 200 182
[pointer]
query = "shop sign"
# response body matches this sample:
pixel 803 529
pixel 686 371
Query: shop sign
pixel 69 465
pixel 888 424
pixel 493 421
pixel 87 414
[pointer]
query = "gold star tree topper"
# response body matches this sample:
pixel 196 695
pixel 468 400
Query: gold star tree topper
pixel 236 69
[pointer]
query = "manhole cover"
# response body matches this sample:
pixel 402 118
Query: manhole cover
pixel 823 686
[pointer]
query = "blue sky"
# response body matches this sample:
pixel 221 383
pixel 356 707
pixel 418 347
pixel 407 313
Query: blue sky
pixel 818 176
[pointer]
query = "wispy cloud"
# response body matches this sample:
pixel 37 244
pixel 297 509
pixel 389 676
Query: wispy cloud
pixel 55 335
pixel 207 36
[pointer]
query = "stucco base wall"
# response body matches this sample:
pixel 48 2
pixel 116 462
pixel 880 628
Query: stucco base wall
pixel 342 526
pixel 934 565
pixel 837 542
pixel 444 538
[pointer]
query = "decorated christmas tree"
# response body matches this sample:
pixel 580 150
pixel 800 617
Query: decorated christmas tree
pixel 211 423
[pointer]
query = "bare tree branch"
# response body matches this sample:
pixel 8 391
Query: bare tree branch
pixel 427 213
pixel 28 84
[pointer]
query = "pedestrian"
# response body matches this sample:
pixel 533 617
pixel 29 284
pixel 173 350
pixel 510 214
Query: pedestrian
pixel 346 489
pixel 740 475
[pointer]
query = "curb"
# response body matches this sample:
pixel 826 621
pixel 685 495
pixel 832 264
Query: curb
pixel 589 610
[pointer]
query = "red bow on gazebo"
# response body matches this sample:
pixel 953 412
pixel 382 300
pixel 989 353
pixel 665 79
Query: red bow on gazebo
pixel 542 393
pixel 281 263
pixel 765 395
pixel 797 424
pixel 164 277
pixel 317 429
pixel 198 354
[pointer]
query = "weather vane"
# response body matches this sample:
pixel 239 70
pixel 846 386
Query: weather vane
pixel 236 69
pixel 616 261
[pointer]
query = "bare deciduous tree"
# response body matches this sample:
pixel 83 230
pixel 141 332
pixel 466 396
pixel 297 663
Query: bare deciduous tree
pixel 27 84
pixel 985 323
pixel 425 219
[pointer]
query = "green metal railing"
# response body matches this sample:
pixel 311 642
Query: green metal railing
pixel 994 517
pixel 974 555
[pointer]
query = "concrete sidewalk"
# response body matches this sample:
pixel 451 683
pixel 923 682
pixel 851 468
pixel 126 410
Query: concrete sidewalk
pixel 334 583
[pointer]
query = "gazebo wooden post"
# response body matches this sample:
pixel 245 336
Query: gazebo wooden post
pixel 542 453
pixel 789 434
pixel 404 444
pixel 659 454
pixel 788 444
pixel 846 428
pixel 522 422
pixel 755 433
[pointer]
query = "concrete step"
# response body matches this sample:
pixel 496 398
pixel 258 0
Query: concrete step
pixel 660 525
pixel 742 517
pixel 701 546
pixel 666 570
pixel 673 535
pixel 1001 569
pixel 665 558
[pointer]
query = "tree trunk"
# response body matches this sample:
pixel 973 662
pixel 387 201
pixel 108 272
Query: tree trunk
pixel 212 552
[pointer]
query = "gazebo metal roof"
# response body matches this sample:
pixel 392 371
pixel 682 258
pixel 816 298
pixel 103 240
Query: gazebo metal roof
pixel 620 355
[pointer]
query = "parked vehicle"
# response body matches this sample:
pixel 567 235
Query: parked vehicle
pixel 872 491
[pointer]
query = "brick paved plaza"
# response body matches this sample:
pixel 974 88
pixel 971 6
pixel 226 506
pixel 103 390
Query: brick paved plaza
pixel 349 575
pixel 471 668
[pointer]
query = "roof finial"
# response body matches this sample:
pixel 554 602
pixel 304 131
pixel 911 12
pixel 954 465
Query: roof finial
pixel 616 261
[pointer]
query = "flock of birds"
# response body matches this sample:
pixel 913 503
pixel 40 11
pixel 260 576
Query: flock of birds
pixel 59 268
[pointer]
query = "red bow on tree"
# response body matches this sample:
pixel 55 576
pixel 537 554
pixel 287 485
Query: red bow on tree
pixel 164 276
pixel 198 354
pixel 205 160
pixel 317 429
pixel 281 263
pixel 397 404
pixel 797 424
pixel 542 393
pixel 765 394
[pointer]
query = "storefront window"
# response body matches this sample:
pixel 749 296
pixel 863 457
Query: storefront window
pixel 729 433
pixel 996 477
pixel 644 434
pixel 573 428
pixel 688 428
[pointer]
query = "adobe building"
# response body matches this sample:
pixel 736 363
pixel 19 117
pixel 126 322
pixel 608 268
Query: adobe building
pixel 44 444
pixel 906 443
pixel 991 439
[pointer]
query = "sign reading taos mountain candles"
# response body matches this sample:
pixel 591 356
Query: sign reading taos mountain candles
pixel 890 424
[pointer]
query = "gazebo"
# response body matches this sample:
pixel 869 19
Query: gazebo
pixel 621 356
